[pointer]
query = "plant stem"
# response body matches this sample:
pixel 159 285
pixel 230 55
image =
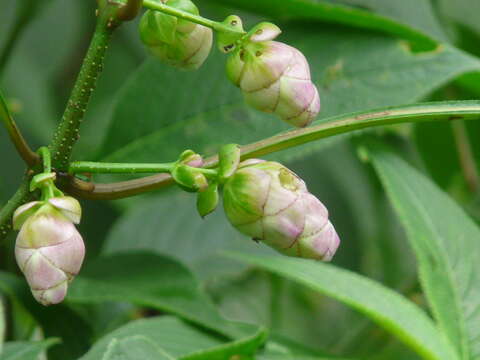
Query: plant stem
pixel 117 168
pixel 465 155
pixel 23 17
pixel 21 196
pixel 46 158
pixel 67 132
pixel 18 140
pixel 443 111
pixel 217 26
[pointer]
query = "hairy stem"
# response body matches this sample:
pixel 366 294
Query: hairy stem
pixel 444 111
pixel 18 140
pixel 217 26
pixel 67 132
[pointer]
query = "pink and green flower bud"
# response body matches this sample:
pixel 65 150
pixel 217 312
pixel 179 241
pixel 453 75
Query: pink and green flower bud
pixel 269 203
pixel 49 250
pixel 275 78
pixel 177 42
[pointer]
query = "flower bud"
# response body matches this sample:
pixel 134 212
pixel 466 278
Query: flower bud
pixel 268 202
pixel 49 250
pixel 177 42
pixel 275 78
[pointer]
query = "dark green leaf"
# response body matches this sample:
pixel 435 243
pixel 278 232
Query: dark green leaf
pixel 359 71
pixel 148 280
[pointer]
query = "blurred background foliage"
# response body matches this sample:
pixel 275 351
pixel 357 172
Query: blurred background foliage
pixel 364 54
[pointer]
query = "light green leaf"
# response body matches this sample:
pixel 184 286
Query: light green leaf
pixel 387 308
pixel 203 110
pixel 169 338
pixel 26 350
pixel 446 242
pixel 148 280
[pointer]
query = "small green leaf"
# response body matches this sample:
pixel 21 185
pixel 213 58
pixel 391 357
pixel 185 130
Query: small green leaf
pixel 207 201
pixel 384 306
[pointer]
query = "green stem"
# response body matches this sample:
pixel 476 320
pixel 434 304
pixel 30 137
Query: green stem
pixel 24 16
pixel 77 167
pixel 67 132
pixel 443 111
pixel 217 26
pixel 21 196
pixel 18 140
pixel 46 158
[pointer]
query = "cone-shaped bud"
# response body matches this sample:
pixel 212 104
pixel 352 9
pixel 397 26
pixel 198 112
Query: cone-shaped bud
pixel 49 250
pixel 268 202
pixel 177 42
pixel 275 78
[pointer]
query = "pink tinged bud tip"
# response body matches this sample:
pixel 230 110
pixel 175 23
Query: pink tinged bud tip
pixel 270 203
pixel 49 250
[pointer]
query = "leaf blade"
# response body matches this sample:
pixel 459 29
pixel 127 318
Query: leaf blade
pixel 377 302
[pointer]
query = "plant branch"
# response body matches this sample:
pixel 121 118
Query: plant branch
pixel 67 132
pixel 442 111
pixel 465 155
pixel 217 26
pixel 18 140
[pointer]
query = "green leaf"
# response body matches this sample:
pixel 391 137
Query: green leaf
pixel 387 308
pixel 413 20
pixel 2 324
pixel 359 71
pixel 55 321
pixel 148 280
pixel 446 242
pixel 185 236
pixel 26 350
pixel 169 338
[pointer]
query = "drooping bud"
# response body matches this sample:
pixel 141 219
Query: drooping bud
pixel 274 77
pixel 177 42
pixel 268 202
pixel 49 250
